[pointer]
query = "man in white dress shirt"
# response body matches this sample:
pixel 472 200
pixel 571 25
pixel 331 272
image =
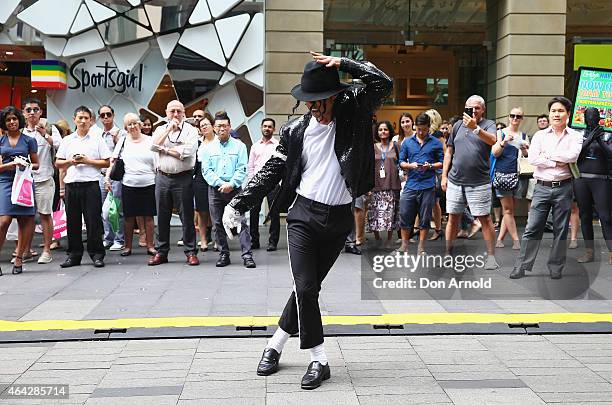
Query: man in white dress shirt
pixel 177 144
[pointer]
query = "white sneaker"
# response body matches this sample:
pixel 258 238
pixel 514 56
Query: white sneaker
pixel 45 258
pixel 491 263
pixel 180 243
pixel 115 247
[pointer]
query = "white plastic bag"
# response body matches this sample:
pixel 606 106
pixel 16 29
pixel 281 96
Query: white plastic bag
pixel 22 192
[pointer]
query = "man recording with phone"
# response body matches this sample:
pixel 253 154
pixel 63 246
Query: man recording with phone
pixel 465 174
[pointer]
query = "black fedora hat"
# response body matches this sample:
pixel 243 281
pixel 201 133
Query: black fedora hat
pixel 318 83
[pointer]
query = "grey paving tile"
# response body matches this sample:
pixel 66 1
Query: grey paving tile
pixel 406 388
pixel 473 375
pixel 478 384
pixel 61 309
pixel 316 396
pixel 151 391
pixel 224 401
pixel 580 397
pixel 71 365
pixel 134 400
pixel 135 381
pixel 421 399
pixel 498 396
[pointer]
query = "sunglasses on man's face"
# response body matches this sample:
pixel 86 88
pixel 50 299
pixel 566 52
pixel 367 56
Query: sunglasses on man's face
pixel 106 115
pixel 198 117
pixel 516 116
pixel 32 109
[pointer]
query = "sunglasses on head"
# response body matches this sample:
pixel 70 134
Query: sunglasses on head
pixel 517 116
pixel 106 115
pixel 32 109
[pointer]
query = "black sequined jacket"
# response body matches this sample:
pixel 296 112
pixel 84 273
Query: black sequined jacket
pixel 353 110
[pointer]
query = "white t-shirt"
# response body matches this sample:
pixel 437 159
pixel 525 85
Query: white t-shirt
pixel 92 146
pixel 321 179
pixel 139 161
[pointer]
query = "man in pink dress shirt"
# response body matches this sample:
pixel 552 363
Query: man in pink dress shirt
pixel 260 153
pixel 551 151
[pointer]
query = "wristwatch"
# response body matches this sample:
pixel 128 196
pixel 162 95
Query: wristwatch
pixel 476 131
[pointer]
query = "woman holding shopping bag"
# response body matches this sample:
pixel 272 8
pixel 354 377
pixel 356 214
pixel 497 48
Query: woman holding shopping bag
pixel 15 151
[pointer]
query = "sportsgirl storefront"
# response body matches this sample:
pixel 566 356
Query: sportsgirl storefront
pixel 136 56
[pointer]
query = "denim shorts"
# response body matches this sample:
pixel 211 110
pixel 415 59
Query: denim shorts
pixel 413 202
pixel 478 198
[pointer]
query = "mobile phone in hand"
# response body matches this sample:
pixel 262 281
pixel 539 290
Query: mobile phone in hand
pixel 469 111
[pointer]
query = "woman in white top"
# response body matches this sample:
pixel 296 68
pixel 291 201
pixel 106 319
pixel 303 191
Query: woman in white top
pixel 138 199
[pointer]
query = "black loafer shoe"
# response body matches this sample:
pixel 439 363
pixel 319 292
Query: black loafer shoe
pixel 352 249
pixel 70 262
pixel 556 276
pixel 517 273
pixel 315 375
pixel 223 261
pixel 269 362
pixel 249 263
pixel 271 247
pixel 98 263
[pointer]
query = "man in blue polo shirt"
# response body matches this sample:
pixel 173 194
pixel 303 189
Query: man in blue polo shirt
pixel 421 155
pixel 224 167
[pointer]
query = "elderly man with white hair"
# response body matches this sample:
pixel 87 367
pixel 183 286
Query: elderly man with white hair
pixel 465 174
pixel 176 143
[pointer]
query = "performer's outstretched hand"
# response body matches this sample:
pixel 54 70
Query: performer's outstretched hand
pixel 329 61
pixel 232 222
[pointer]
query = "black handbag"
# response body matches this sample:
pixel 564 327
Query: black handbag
pixel 118 169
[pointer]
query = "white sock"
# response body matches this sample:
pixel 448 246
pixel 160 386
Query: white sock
pixel 317 353
pixel 278 340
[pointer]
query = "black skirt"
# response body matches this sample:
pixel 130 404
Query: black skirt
pixel 138 201
pixel 200 192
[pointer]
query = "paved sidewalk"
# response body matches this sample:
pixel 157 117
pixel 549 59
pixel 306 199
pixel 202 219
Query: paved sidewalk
pixel 500 369
pixel 128 288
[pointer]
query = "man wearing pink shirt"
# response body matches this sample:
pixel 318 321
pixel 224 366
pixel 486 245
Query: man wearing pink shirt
pixel 551 151
pixel 260 153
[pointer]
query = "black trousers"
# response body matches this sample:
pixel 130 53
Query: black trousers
pixel 217 202
pixel 596 192
pixel 84 199
pixel 274 221
pixel 175 192
pixel 316 234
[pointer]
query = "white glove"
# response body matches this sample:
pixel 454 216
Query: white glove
pixel 231 220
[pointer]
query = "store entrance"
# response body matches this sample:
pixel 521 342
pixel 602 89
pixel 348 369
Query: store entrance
pixel 15 75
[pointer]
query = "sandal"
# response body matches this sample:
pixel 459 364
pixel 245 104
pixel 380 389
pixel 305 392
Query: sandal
pixel 151 252
pixel 126 252
pixel 55 246
pixel 499 244
pixel 436 235
pixel 18 269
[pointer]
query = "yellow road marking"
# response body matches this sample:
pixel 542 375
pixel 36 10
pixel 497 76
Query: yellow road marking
pixel 392 319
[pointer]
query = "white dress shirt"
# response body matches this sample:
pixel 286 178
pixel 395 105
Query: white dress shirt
pixel 184 141
pixel 90 145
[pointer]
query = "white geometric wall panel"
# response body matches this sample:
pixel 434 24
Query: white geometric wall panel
pixel 134 54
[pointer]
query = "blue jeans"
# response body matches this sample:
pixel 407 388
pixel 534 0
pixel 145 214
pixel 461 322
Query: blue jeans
pixel 109 235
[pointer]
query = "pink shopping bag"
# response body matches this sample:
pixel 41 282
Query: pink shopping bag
pixel 59 222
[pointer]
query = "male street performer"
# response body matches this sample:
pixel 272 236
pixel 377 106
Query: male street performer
pixel 325 158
